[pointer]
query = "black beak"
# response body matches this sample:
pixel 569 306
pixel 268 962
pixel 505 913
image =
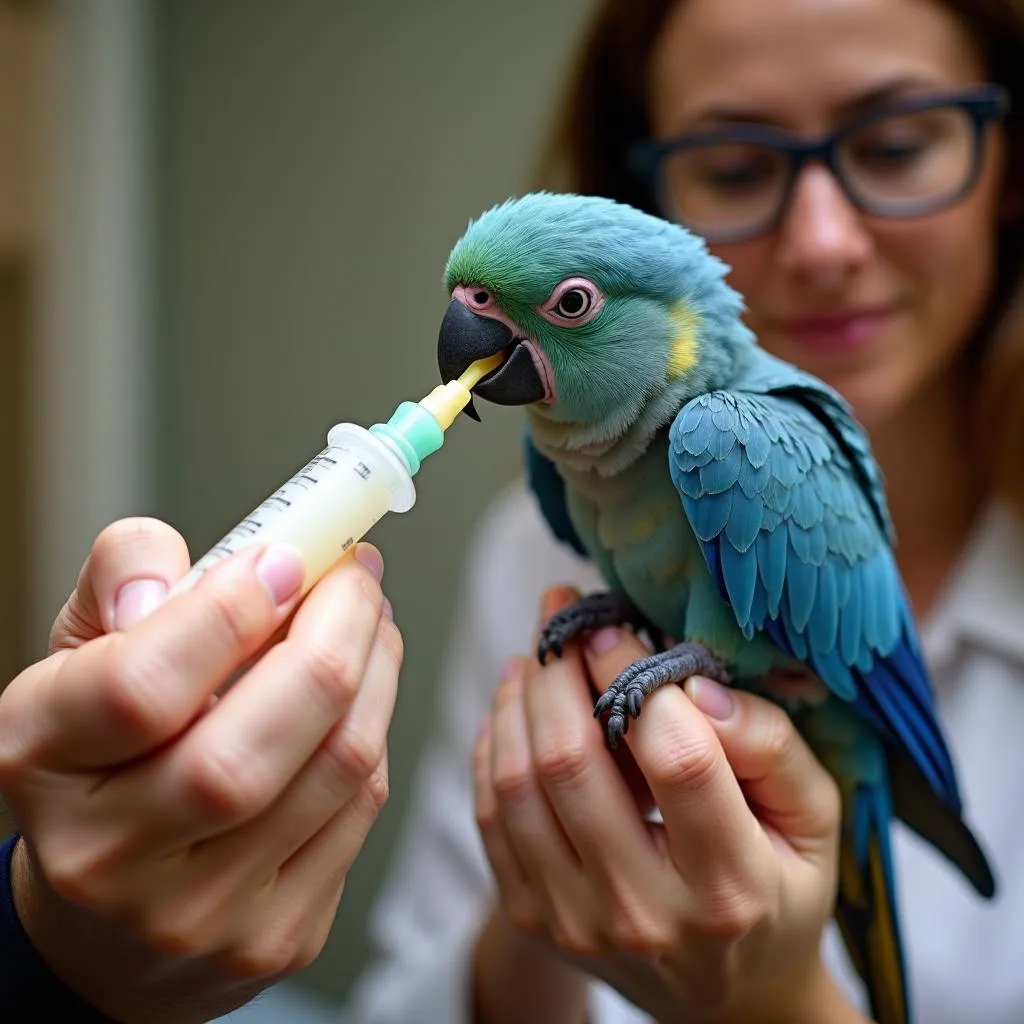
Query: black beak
pixel 465 337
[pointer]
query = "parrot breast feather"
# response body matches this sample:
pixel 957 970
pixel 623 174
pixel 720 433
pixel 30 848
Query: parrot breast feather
pixel 548 487
pixel 781 491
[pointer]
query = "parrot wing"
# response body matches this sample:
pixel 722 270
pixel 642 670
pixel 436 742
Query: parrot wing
pixel 778 485
pixel 549 488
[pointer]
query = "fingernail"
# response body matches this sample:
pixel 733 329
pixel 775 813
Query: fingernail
pixel 388 611
pixel 281 571
pixel 371 558
pixel 554 599
pixel 136 600
pixel 603 641
pixel 710 697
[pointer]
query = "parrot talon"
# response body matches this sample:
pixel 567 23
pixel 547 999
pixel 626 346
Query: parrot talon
pixel 618 725
pixel 625 697
pixel 610 608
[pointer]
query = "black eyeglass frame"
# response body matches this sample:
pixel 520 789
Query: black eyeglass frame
pixel 983 104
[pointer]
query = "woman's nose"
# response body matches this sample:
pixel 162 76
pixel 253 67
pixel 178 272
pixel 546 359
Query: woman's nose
pixel 822 236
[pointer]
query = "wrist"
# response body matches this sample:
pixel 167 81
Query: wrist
pixel 809 999
pixel 516 978
pixel 824 1001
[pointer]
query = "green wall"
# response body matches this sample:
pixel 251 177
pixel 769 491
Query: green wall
pixel 316 162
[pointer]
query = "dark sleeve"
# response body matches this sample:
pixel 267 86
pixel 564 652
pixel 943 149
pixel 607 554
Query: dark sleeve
pixel 29 990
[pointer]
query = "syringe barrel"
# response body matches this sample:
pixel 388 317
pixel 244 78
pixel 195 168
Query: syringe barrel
pixel 325 507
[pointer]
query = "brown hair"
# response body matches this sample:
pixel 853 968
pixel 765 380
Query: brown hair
pixel 604 113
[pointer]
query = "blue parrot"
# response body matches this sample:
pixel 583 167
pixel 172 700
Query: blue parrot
pixel 733 507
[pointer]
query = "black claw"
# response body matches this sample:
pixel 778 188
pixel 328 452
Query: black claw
pixel 625 697
pixel 618 725
pixel 543 650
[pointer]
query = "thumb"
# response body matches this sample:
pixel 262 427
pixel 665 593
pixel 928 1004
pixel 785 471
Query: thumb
pixel 132 565
pixel 788 788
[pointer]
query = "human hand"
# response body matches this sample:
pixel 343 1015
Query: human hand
pixel 716 915
pixel 192 841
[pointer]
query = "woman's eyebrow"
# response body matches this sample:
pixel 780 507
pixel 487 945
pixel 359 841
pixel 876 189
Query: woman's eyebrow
pixel 876 95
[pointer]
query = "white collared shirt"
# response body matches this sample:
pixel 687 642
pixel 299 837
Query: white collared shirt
pixel 966 956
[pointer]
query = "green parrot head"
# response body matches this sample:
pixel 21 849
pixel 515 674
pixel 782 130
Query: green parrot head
pixel 606 315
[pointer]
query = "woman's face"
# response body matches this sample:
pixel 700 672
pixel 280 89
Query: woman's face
pixel 876 307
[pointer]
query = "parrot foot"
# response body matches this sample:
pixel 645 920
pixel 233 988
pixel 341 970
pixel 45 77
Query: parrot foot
pixel 593 612
pixel 626 693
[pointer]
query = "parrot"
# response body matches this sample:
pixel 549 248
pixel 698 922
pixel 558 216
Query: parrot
pixel 732 507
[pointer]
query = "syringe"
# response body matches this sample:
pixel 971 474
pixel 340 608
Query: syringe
pixel 362 474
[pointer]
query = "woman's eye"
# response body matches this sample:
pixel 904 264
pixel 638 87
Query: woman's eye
pixel 736 177
pixel 893 151
pixel 573 304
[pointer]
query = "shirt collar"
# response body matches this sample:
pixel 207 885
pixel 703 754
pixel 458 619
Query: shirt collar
pixel 983 603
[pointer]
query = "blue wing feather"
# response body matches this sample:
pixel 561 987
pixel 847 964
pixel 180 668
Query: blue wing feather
pixel 791 515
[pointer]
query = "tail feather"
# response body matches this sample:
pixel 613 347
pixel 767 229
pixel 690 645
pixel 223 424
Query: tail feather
pixel 866 905
pixel 918 807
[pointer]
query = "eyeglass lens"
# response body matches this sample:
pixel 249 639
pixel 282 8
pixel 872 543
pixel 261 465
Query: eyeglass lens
pixel 899 164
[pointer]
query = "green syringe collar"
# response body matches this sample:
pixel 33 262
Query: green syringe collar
pixel 413 431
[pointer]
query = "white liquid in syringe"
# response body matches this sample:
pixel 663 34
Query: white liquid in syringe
pixel 325 507
pixel 358 478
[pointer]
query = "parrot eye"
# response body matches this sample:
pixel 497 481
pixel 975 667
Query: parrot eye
pixel 476 298
pixel 574 301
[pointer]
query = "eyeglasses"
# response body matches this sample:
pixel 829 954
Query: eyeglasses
pixel 909 158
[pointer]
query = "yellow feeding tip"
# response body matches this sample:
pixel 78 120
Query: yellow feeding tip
pixel 446 401
pixel 475 372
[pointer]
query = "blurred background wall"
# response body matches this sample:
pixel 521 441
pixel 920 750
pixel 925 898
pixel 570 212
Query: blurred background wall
pixel 248 207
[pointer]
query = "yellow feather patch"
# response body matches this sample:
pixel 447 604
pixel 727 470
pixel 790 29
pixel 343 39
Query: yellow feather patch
pixel 666 572
pixel 885 960
pixel 643 526
pixel 682 355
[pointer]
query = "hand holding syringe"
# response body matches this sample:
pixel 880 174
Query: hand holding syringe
pixel 362 474
pixel 193 791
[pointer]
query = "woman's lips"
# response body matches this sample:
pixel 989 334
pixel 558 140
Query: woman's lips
pixel 835 334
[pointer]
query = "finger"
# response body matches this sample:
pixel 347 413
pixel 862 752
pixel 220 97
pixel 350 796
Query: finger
pixel 243 753
pixel 255 921
pixel 290 932
pixel 528 822
pixel 586 789
pixel 125 694
pixel 523 906
pixel 691 780
pixel 791 790
pixel 353 750
pixel 132 565
pixel 552 600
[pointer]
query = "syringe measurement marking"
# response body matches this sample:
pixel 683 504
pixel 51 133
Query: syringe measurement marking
pixel 277 502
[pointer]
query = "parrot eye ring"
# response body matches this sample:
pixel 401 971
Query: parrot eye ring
pixel 573 302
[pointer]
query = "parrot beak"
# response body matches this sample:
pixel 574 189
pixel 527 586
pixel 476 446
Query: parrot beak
pixel 465 337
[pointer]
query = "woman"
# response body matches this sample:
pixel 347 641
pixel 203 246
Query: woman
pixel 159 876
pixel 529 888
